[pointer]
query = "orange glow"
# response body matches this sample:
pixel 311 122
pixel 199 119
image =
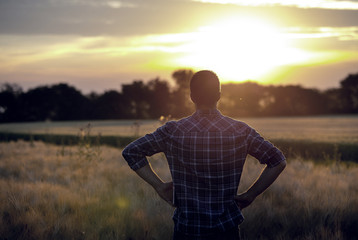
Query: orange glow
pixel 240 49
pixel 297 3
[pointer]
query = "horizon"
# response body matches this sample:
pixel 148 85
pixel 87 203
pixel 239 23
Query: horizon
pixel 98 45
pixel 169 81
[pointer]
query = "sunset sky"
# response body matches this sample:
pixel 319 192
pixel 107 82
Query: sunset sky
pixel 96 45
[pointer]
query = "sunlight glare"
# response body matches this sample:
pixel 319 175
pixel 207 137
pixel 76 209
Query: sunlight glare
pixel 324 4
pixel 241 49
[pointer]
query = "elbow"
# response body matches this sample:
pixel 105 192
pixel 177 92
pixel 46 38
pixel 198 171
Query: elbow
pixel 282 165
pixel 125 153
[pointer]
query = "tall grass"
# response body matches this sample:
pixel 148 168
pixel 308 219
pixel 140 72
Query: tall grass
pixel 53 192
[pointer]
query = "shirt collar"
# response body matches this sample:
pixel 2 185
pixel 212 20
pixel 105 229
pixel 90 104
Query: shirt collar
pixel 207 112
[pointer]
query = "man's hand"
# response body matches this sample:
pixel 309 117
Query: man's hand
pixel 165 191
pixel 266 178
pixel 244 200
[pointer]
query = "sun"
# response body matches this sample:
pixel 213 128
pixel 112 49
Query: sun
pixel 240 49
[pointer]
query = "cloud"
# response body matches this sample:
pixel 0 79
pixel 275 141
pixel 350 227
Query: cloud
pixel 117 4
pixel 108 39
pixel 342 34
pixel 323 39
pixel 76 17
pixel 325 4
pixel 135 17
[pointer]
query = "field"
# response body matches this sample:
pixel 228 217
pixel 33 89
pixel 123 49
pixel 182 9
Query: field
pixel 325 128
pixel 87 191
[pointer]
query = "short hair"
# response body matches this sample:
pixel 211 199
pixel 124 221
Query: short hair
pixel 205 87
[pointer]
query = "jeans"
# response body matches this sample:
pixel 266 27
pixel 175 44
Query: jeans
pixel 233 234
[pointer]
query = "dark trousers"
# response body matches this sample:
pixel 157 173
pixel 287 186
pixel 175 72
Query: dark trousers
pixel 233 234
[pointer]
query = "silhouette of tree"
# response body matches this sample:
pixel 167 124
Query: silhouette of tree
pixel 139 100
pixel 9 102
pixel 136 96
pixel 349 93
pixel 71 104
pixel 333 101
pixel 58 102
pixel 295 101
pixel 181 103
pixel 182 78
pixel 242 99
pixel 159 92
pixel 110 105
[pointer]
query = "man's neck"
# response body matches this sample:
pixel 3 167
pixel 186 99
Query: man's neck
pixel 205 108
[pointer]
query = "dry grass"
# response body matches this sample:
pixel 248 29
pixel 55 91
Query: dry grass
pixel 307 202
pixel 52 192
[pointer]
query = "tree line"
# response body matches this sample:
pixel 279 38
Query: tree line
pixel 156 98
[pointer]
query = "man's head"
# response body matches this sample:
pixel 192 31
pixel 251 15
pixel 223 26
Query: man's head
pixel 205 88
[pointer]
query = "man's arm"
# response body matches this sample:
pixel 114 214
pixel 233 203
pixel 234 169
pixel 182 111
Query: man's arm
pixel 266 178
pixel 164 190
pixel 136 155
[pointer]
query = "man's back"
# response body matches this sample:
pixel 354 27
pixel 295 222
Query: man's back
pixel 206 153
pixel 206 160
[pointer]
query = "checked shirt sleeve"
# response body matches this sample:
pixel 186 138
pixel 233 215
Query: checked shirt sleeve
pixel 263 150
pixel 136 152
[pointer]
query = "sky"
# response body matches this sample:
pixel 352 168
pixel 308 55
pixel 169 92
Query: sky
pixel 98 45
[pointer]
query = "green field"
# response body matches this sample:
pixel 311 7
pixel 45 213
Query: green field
pixel 323 129
pixel 329 138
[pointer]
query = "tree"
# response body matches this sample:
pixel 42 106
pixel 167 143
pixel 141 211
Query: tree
pixel 181 104
pixel 136 97
pixel 139 100
pixel 70 103
pixel 241 99
pixel 349 93
pixel 109 105
pixel 295 101
pixel 333 99
pixel 57 102
pixel 182 78
pixel 159 92
pixel 9 102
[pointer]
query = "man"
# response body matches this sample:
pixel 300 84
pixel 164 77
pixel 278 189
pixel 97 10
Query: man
pixel 206 153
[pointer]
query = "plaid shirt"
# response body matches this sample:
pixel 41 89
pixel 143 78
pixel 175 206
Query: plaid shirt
pixel 206 153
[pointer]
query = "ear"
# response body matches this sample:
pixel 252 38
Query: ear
pixel 192 97
pixel 218 96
